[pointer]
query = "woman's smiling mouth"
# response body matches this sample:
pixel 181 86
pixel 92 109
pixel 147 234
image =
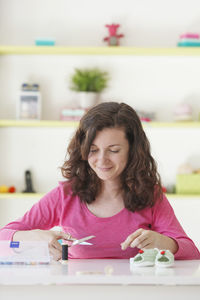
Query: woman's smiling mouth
pixel 104 169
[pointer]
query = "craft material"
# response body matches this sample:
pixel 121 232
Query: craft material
pixel 24 253
pixel 64 254
pixel 152 257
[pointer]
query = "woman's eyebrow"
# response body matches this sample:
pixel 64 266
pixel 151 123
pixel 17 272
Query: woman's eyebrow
pixel 108 145
pixel 114 145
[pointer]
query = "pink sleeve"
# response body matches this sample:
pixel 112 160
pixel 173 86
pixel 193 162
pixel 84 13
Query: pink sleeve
pixel 43 215
pixel 165 222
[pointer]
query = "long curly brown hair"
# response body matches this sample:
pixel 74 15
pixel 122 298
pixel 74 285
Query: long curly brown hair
pixel 140 180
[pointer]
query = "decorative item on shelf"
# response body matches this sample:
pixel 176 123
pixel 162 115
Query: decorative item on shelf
pixel 164 189
pixel 185 169
pixel 188 180
pixel 12 189
pixel 197 171
pixel 146 116
pixel 72 114
pixel 113 38
pixel 6 189
pixel 183 112
pixel 45 42
pixel 189 39
pixel 88 83
pixel 28 182
pixel 3 189
pixel 171 189
pixel 29 102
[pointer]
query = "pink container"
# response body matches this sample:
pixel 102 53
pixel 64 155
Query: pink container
pixel 189 35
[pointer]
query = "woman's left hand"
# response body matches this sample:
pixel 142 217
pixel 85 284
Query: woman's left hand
pixel 148 239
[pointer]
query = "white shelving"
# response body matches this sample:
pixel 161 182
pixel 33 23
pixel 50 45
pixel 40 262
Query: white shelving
pixel 47 123
pixel 37 196
pixel 138 51
pixel 14 131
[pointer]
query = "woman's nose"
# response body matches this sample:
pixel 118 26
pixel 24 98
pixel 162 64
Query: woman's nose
pixel 102 156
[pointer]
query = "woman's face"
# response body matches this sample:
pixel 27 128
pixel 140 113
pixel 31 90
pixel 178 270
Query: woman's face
pixel 108 154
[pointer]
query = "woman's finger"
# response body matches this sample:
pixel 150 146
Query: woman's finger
pixel 131 238
pixel 140 241
pixel 55 250
pixel 142 244
pixel 63 235
pixel 56 245
pixel 147 246
pixel 55 253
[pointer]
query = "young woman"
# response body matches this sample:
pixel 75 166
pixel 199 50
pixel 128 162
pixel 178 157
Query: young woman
pixel 113 191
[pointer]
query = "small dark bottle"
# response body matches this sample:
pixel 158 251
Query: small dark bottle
pixel 64 254
pixel 28 181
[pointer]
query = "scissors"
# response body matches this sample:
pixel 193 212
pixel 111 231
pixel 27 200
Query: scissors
pixel 82 241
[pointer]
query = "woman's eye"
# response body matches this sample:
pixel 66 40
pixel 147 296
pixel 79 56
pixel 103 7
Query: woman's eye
pixel 93 151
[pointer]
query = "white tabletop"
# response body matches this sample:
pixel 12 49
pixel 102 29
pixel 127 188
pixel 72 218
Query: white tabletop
pixel 104 271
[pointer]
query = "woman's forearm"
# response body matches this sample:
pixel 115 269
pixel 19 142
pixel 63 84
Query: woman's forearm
pixel 28 235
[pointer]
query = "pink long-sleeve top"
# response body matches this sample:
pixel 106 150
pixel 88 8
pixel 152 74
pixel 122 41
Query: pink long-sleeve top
pixel 60 208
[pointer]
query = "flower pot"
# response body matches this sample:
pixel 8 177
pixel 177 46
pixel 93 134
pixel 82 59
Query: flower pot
pixel 88 99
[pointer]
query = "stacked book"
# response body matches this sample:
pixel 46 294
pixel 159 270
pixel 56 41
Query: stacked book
pixel 189 39
pixel 72 114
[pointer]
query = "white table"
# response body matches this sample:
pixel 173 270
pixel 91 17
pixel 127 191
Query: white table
pixel 97 279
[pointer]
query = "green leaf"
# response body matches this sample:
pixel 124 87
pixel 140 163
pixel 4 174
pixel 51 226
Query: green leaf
pixel 89 80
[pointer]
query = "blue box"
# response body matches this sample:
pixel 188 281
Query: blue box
pixel 45 42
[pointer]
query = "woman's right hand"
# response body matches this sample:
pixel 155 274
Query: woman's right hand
pixel 49 236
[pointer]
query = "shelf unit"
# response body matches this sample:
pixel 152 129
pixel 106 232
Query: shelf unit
pixel 39 195
pixel 121 51
pixel 65 50
pixel 42 123
pixel 57 50
pixel 48 123
pixel 20 195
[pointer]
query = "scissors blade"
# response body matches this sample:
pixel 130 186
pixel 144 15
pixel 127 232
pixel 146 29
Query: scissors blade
pixel 85 243
pixel 82 240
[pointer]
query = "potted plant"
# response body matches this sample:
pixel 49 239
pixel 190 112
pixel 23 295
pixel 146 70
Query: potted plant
pixel 89 83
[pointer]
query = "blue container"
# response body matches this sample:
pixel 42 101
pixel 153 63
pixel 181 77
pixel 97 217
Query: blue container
pixel 44 42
